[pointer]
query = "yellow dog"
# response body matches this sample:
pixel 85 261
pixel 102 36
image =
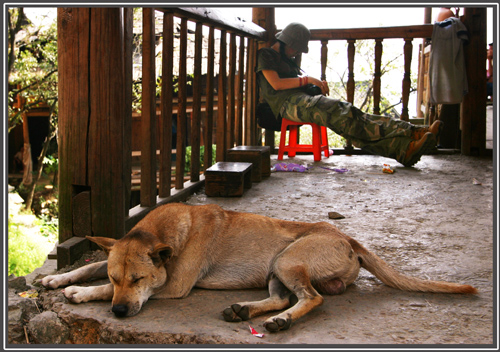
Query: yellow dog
pixel 177 247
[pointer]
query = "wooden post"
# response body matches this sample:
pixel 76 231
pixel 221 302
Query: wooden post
pixel 473 113
pixel 376 78
pixel 196 114
pixel 222 107
pixel 324 58
pixel 231 115
pixel 92 117
pixel 180 162
pixel 350 80
pixel 167 93
pixel 350 75
pixel 73 28
pixel 408 47
pixel 210 99
pixel 128 17
pixel 265 17
pixel 240 91
pixel 148 118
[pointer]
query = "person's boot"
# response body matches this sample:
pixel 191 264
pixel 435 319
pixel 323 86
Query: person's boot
pixel 418 148
pixel 435 129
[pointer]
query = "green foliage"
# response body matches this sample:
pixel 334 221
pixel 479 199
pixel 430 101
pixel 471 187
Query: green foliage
pixel 27 250
pixel 33 67
pixel 202 156
pixel 51 164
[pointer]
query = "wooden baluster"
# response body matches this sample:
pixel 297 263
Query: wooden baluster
pixel 231 92
pixel 196 114
pixel 209 123
pixel 350 76
pixel 180 162
pixel 250 91
pixel 350 79
pixel 239 103
pixel 222 103
pixel 167 93
pixel 406 79
pixel 148 118
pixel 376 78
pixel 324 58
pixel 254 131
pixel 128 26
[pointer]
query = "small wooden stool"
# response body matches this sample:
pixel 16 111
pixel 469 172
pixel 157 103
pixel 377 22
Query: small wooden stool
pixel 228 179
pixel 319 143
pixel 259 156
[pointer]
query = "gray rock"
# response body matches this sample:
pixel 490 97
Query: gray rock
pixel 21 310
pixel 47 328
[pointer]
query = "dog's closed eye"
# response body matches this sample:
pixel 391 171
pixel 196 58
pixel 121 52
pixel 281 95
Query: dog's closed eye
pixel 137 279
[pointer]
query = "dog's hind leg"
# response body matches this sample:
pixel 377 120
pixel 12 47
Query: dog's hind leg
pixel 327 261
pixel 298 281
pixel 279 298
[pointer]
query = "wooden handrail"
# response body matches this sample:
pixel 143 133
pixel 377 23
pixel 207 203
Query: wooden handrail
pixel 418 31
pixel 212 17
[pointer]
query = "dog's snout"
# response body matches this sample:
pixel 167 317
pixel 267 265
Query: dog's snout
pixel 120 310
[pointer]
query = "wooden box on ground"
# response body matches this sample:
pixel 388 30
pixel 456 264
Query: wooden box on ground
pixel 228 179
pixel 259 156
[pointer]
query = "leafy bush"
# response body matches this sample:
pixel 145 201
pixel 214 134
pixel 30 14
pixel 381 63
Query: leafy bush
pixel 27 250
pixel 202 155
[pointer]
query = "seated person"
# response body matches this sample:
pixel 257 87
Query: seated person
pixel 283 88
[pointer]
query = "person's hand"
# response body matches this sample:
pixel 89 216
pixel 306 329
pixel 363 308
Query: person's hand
pixel 325 89
pixel 323 85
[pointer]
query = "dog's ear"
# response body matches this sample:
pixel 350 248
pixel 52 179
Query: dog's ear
pixel 161 253
pixel 104 242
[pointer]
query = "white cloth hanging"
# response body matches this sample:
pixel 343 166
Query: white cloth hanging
pixel 447 73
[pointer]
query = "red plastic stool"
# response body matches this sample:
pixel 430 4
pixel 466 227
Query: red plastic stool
pixel 320 140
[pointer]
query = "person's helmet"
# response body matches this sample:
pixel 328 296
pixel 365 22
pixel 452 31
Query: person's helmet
pixel 295 35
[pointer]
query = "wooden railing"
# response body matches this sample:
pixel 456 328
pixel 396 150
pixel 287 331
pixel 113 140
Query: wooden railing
pixel 235 87
pixel 378 34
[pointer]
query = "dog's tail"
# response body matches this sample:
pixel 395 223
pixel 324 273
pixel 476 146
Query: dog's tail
pixel 389 276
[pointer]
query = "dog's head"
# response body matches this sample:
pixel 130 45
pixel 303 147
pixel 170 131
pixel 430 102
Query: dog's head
pixel 136 268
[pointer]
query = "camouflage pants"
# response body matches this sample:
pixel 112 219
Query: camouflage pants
pixel 375 134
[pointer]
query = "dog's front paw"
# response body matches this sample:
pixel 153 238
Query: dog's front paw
pixel 277 323
pixel 76 294
pixel 236 313
pixel 55 281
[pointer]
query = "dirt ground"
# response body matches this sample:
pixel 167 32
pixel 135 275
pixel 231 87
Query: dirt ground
pixel 434 221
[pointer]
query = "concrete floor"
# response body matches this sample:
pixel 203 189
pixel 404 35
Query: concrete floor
pixel 433 221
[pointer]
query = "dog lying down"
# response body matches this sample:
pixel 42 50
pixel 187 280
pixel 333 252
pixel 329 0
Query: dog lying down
pixel 177 247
